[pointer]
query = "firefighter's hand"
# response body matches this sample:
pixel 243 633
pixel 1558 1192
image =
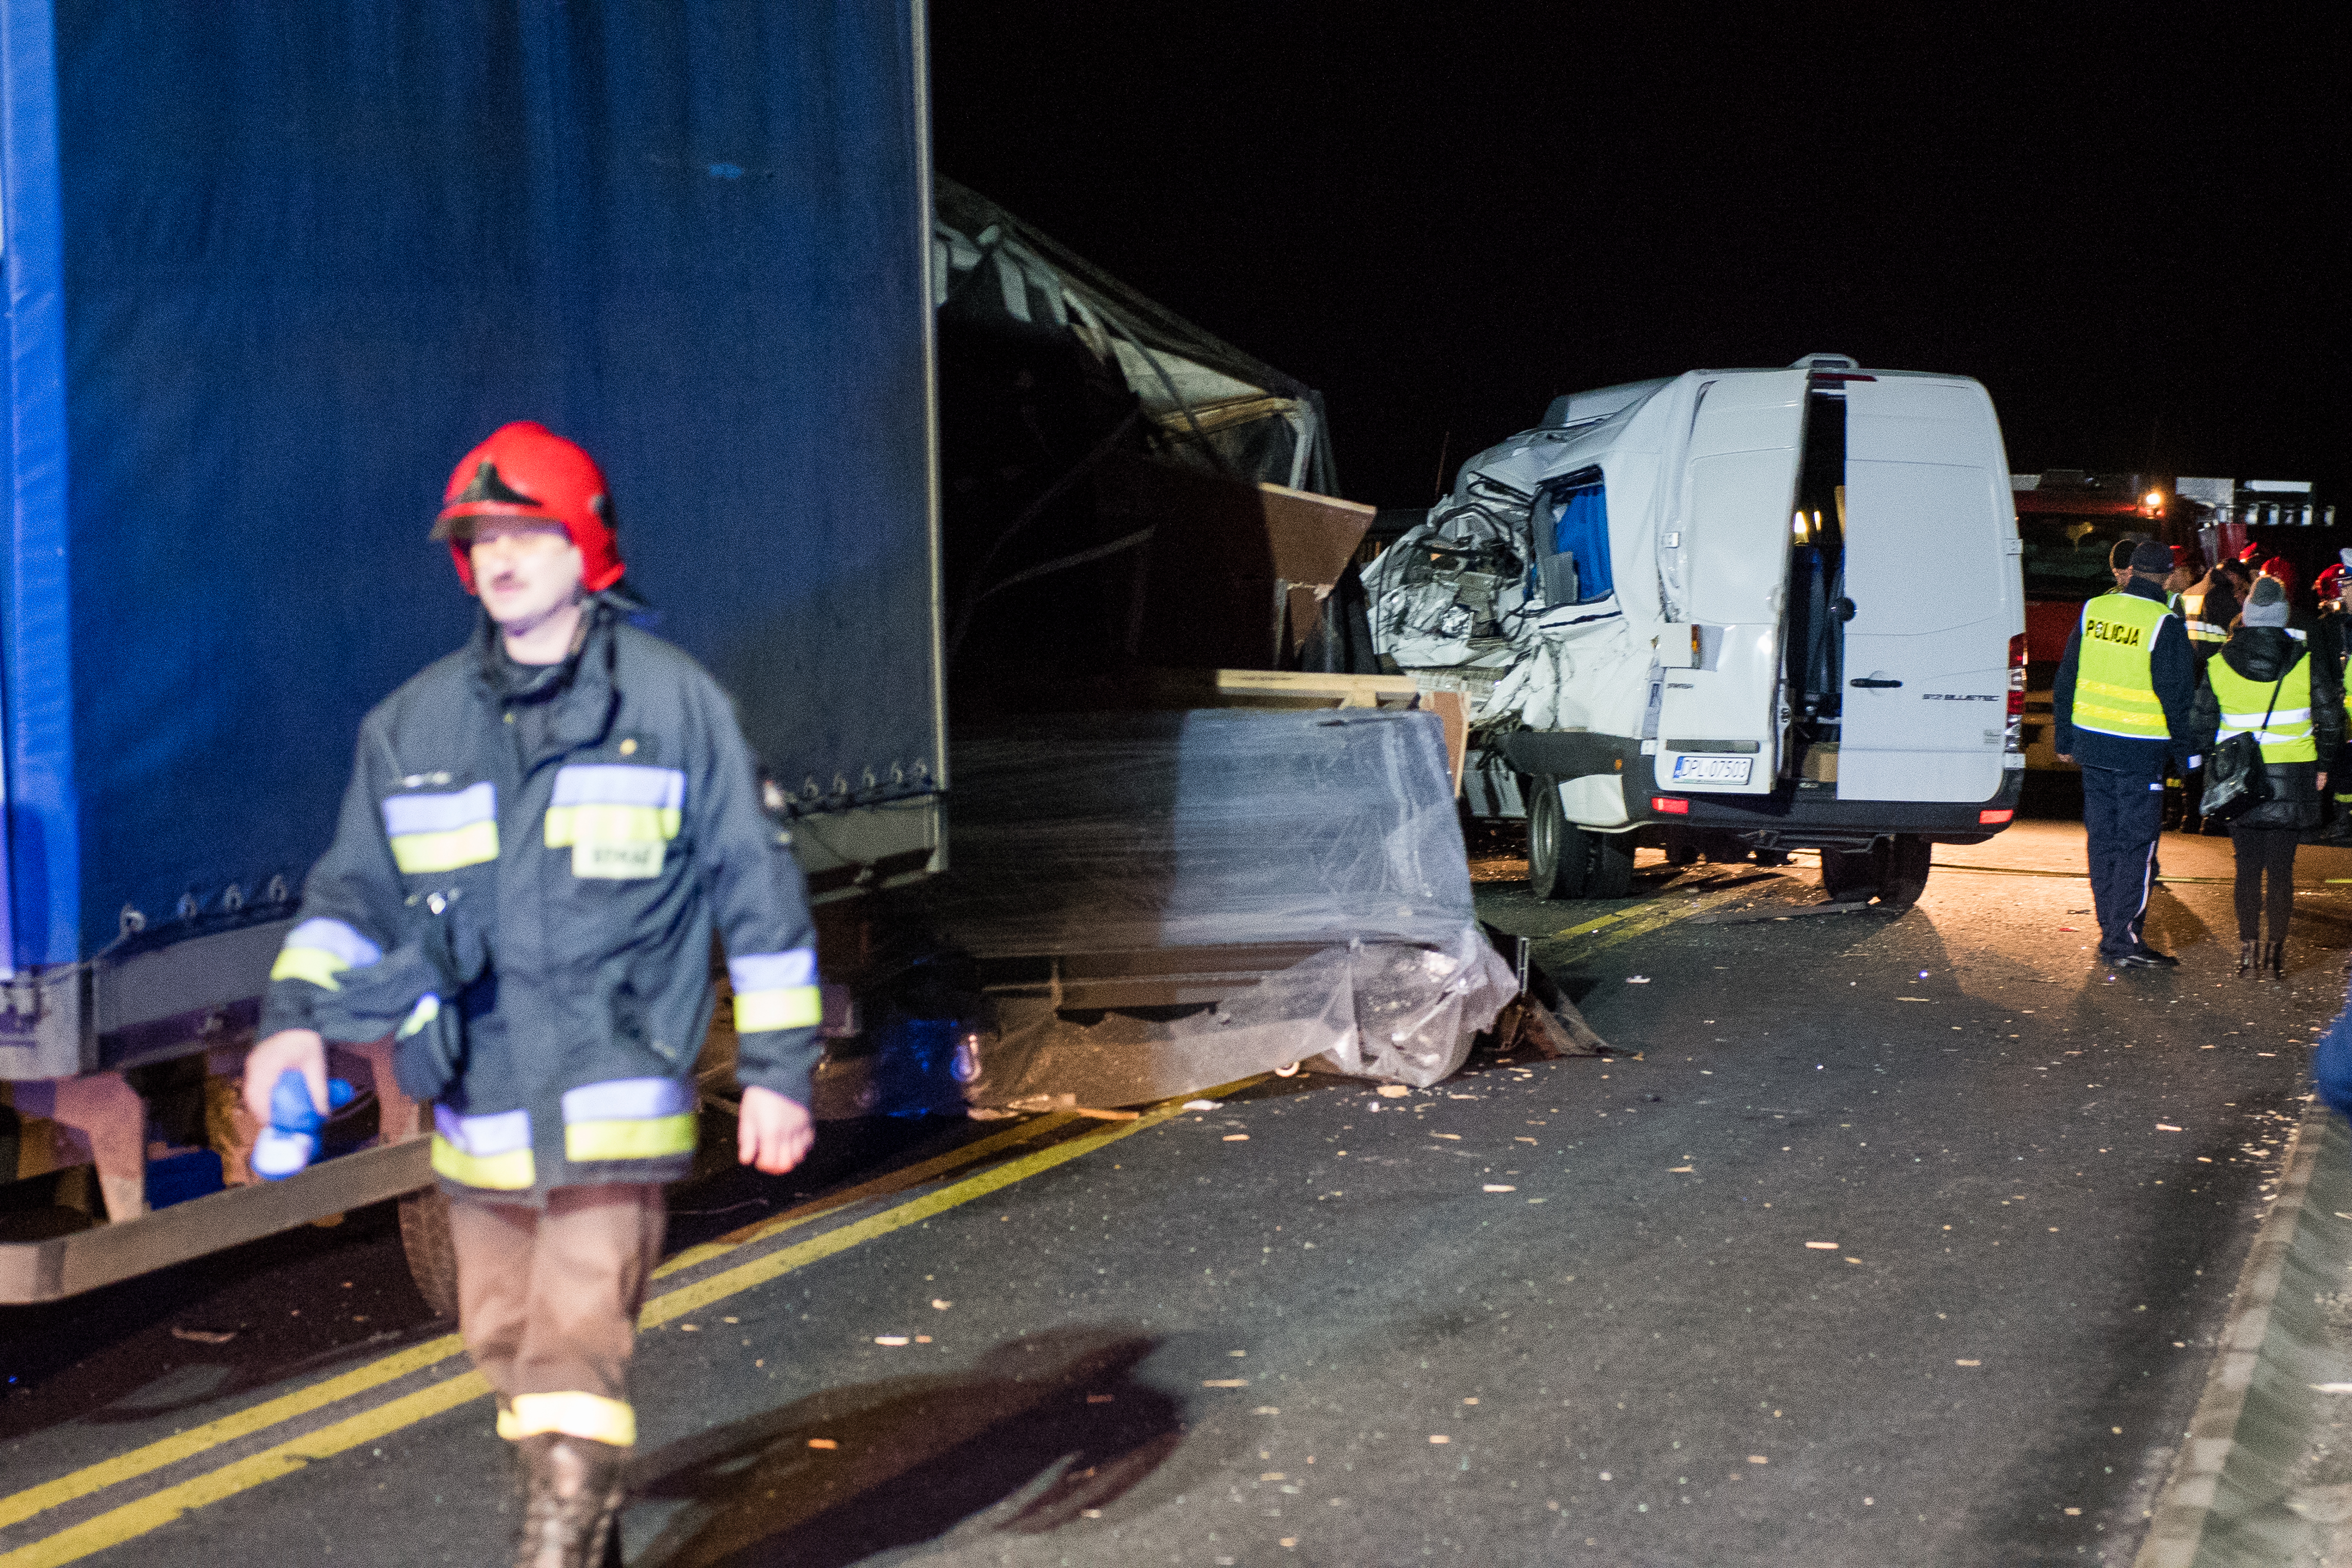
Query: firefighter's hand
pixel 302 1049
pixel 2322 781
pixel 771 1133
pixel 2065 756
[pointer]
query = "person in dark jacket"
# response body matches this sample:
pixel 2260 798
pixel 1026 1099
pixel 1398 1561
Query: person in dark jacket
pixel 2121 704
pixel 541 833
pixel 2264 683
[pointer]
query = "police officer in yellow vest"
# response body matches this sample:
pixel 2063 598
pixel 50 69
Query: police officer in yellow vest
pixel 2122 705
pixel 2264 683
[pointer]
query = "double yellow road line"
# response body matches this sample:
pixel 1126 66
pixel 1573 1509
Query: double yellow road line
pixel 1624 925
pixel 137 1518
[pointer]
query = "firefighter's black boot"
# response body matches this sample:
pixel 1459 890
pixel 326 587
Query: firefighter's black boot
pixel 2274 959
pixel 2249 954
pixel 572 1497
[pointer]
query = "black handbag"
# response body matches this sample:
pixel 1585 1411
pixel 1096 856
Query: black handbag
pixel 2235 782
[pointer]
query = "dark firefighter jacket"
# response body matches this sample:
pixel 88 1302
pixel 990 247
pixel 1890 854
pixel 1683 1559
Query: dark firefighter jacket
pixel 2263 654
pixel 570 834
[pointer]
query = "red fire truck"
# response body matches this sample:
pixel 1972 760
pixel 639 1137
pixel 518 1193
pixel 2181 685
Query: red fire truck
pixel 2068 521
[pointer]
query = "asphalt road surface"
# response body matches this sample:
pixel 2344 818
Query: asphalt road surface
pixel 1875 1240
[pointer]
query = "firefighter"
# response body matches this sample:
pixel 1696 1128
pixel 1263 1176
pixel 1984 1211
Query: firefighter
pixel 2122 702
pixel 568 800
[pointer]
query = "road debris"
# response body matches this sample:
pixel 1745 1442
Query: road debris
pixel 822 1443
pixel 1823 1245
pixel 1203 1105
pixel 1393 1091
pixel 1494 1187
pixel 1224 1382
pixel 889 1338
pixel 204 1336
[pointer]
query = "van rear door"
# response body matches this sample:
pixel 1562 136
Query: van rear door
pixel 1935 591
pixel 1718 733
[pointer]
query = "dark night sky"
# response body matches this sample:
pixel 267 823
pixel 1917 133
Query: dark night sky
pixel 2132 233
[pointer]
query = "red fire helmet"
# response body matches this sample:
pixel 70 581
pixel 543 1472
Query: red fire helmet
pixel 525 469
pixel 2279 567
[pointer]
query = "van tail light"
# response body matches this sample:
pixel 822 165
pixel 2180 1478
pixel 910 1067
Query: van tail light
pixel 1669 805
pixel 2013 734
pixel 1997 814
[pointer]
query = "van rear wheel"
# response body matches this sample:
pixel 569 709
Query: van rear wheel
pixel 1557 851
pixel 1903 862
pixel 1851 876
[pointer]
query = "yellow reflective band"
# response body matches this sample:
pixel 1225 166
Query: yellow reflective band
pixel 315 964
pixel 511 1172
pixel 647 1138
pixel 590 1416
pixel 568 825
pixel 427 1008
pixel 424 854
pixel 786 1007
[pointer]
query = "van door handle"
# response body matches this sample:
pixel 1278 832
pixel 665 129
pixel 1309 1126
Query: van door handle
pixel 1867 680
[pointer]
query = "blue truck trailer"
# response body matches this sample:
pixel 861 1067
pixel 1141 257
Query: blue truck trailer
pixel 269 270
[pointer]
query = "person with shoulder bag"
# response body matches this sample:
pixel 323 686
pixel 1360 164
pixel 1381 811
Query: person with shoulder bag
pixel 2266 686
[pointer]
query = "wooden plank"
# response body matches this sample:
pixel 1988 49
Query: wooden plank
pixel 1452 710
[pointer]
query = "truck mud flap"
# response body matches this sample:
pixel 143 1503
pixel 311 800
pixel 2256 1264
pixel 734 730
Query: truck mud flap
pixel 105 1255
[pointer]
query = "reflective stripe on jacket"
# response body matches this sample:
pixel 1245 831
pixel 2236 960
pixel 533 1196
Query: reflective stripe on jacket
pixel 2288 736
pixel 2112 690
pixel 593 845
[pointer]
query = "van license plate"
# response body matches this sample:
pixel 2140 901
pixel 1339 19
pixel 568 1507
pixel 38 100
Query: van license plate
pixel 1713 770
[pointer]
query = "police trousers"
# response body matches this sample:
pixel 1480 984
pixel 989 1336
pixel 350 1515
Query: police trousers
pixel 548 1302
pixel 2124 814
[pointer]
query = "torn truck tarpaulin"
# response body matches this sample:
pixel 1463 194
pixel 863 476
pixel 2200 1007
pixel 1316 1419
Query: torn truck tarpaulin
pixel 1165 901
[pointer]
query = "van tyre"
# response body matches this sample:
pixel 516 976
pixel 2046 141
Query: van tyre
pixel 432 1255
pixel 1903 864
pixel 1557 851
pixel 1851 876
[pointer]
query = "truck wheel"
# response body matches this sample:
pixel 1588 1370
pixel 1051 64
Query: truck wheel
pixel 1557 849
pixel 1903 861
pixel 431 1257
pixel 1851 876
pixel 1611 874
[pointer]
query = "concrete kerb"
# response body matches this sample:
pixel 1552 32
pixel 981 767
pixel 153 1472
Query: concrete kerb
pixel 2238 1496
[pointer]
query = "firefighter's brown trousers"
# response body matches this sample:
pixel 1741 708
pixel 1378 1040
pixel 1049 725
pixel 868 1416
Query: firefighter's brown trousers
pixel 548 1302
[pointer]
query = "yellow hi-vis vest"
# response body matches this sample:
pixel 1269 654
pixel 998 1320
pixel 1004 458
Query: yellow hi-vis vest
pixel 2204 635
pixel 2113 692
pixel 2288 738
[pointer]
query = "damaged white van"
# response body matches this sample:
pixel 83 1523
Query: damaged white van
pixel 1732 612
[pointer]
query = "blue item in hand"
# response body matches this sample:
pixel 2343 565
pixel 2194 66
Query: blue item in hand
pixel 291 1140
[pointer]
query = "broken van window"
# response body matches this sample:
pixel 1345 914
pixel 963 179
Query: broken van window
pixel 1571 520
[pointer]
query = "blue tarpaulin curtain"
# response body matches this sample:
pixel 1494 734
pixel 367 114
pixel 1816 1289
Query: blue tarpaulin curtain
pixel 271 269
pixel 1580 528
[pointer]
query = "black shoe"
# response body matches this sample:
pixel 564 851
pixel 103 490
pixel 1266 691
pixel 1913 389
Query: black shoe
pixel 2138 958
pixel 572 1496
pixel 2151 957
